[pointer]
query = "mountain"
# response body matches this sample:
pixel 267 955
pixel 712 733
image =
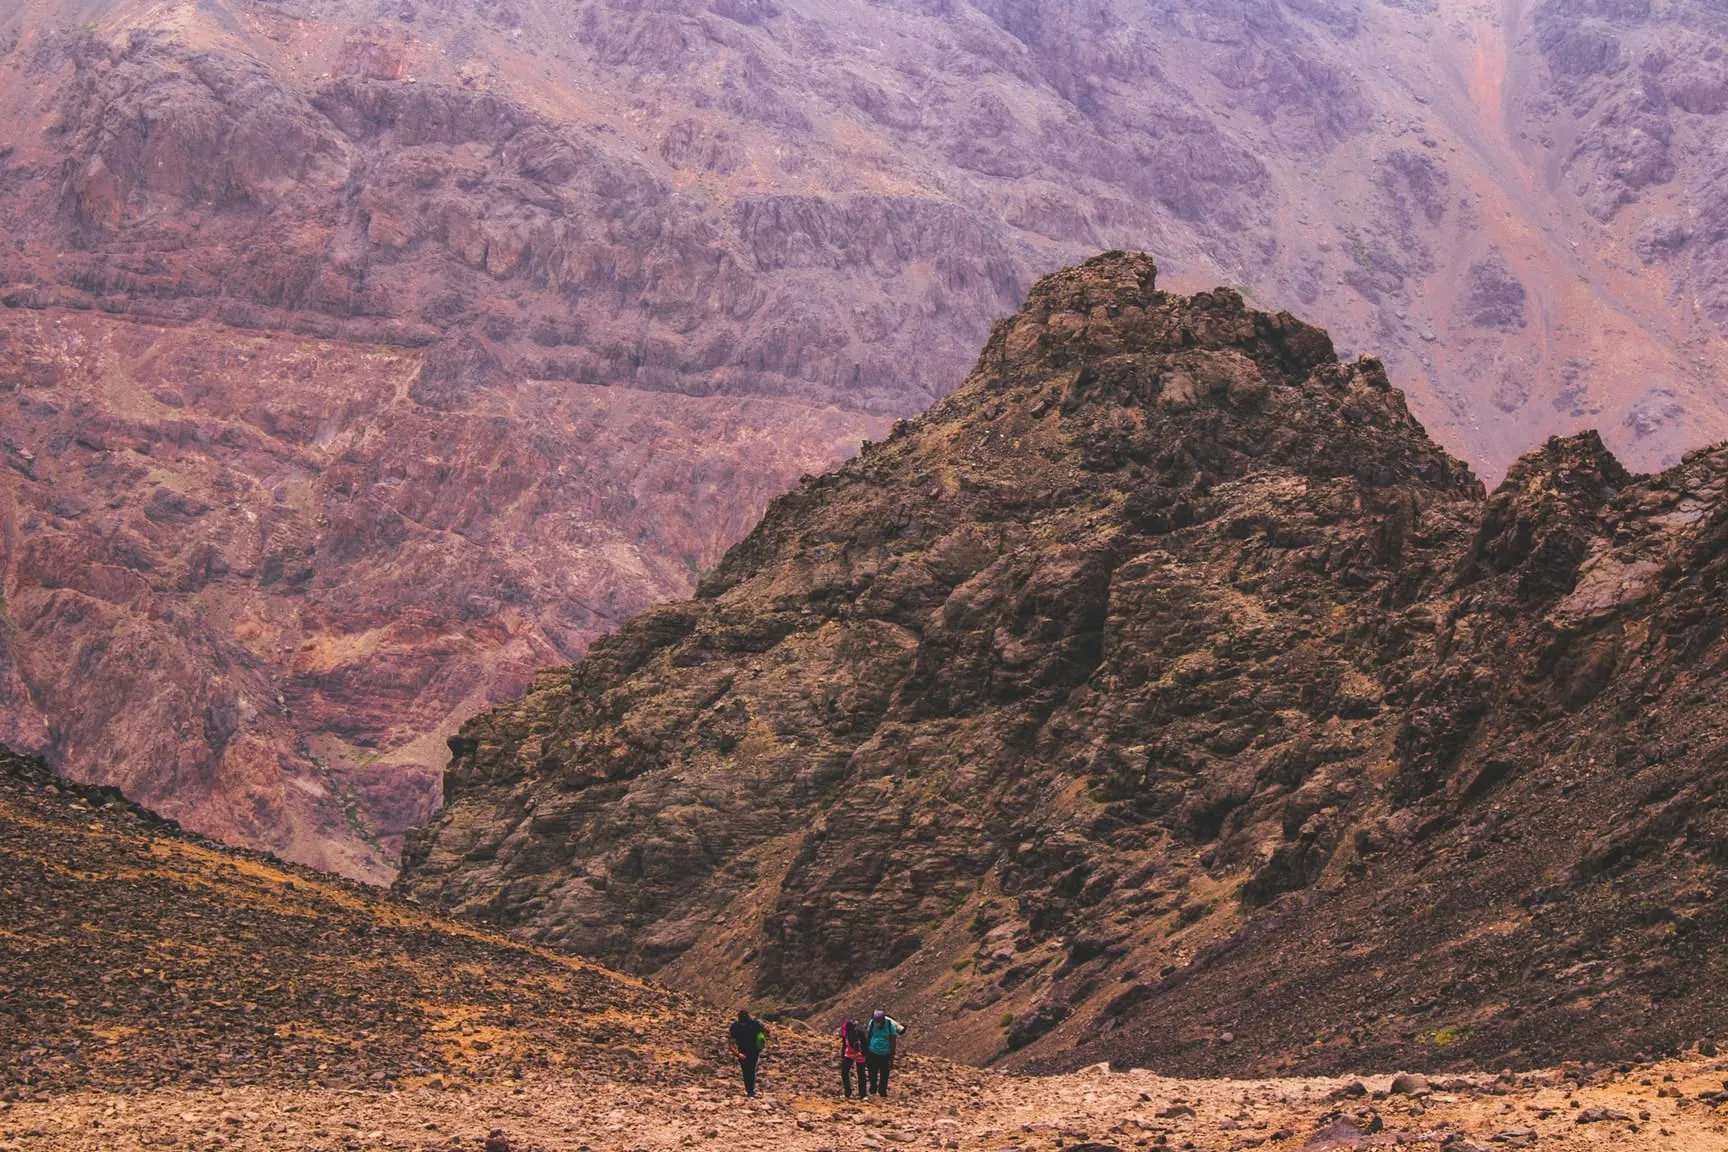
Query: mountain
pixel 359 359
pixel 1165 695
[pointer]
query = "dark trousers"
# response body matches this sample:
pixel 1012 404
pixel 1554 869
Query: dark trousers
pixel 878 1067
pixel 849 1068
pixel 748 1066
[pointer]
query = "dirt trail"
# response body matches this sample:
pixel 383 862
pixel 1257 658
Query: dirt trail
pixel 937 1106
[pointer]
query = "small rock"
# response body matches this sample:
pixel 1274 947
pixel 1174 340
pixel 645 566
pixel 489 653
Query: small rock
pixel 1339 1132
pixel 1600 1115
pixel 1409 1084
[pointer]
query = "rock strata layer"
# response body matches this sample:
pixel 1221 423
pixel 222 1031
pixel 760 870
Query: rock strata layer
pixel 1165 695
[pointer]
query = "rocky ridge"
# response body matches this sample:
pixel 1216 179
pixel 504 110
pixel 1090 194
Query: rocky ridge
pixel 1164 695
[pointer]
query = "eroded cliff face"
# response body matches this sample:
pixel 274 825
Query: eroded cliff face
pixel 831 202
pixel 244 586
pixel 478 329
pixel 1163 694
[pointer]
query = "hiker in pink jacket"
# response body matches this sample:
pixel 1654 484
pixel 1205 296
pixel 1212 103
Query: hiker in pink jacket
pixel 852 1059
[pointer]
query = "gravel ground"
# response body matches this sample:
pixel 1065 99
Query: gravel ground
pixel 936 1106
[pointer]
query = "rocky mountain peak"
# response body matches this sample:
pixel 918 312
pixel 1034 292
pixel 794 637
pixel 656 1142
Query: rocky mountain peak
pixel 1106 388
pixel 1205 367
pixel 1541 516
pixel 1075 707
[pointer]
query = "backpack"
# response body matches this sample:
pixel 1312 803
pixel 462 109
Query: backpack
pixel 750 1043
pixel 888 1027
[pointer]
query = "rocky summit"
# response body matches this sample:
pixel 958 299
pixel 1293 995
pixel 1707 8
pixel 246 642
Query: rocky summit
pixel 1163 696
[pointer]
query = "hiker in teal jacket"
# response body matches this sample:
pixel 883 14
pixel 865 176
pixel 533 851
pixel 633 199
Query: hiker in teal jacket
pixel 881 1038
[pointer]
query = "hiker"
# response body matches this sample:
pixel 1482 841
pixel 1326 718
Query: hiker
pixel 880 1037
pixel 749 1036
pixel 852 1059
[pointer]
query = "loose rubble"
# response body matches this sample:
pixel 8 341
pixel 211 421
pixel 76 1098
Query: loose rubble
pixel 941 1107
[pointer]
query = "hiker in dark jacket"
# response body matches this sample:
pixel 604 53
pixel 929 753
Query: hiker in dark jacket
pixel 852 1059
pixel 881 1039
pixel 749 1036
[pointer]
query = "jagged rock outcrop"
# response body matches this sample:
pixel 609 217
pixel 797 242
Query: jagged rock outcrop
pixel 1165 682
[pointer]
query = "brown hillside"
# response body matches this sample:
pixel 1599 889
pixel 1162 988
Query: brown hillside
pixel 134 956
pixel 158 991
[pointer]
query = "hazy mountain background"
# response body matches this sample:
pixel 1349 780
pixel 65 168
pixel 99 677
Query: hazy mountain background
pixel 359 358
